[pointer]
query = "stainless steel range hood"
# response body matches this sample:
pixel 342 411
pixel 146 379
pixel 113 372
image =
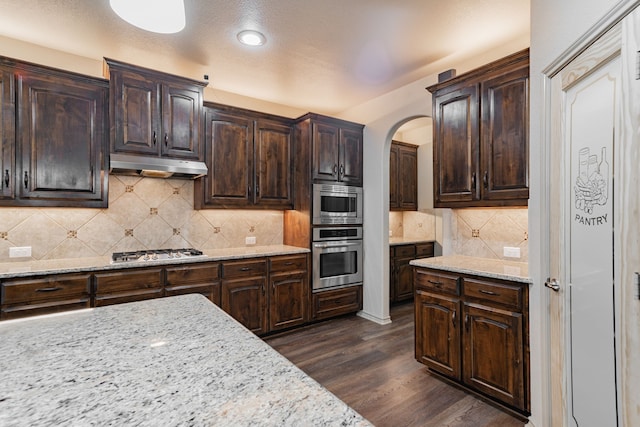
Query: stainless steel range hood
pixel 155 167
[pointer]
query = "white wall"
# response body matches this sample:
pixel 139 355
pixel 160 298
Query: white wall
pixel 555 26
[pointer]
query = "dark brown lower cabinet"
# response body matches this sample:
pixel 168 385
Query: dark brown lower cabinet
pixel 288 292
pixel 194 278
pixel 127 285
pixel 244 293
pixel 337 302
pixel 401 272
pixel 45 295
pixel 475 331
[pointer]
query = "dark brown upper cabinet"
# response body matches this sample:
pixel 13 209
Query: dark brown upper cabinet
pixel 154 113
pixel 250 159
pixel 56 153
pixel 336 150
pixel 481 136
pixel 403 177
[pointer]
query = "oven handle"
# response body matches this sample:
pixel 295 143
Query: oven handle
pixel 335 245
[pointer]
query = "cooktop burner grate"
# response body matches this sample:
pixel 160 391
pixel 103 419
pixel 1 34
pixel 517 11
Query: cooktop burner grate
pixel 154 255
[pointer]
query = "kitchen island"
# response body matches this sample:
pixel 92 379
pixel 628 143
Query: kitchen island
pixel 168 361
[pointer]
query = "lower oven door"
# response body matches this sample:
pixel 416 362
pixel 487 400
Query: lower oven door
pixel 336 264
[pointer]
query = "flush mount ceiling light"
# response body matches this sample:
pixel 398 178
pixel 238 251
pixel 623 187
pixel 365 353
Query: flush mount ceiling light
pixel 252 38
pixel 158 16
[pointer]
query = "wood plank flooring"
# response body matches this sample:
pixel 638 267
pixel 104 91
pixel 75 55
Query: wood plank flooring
pixel 372 368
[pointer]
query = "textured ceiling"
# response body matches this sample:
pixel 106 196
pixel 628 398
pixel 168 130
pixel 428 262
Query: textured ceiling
pixel 321 55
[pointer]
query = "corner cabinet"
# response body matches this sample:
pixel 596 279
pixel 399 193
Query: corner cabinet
pixel 475 331
pixel 249 156
pixel 154 113
pixel 336 152
pixel 481 136
pixel 403 177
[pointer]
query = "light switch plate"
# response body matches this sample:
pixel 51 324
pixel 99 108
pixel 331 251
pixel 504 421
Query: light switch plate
pixel 250 240
pixel 511 252
pixel 20 251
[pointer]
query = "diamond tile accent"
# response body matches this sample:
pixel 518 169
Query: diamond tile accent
pixel 72 234
pixel 4 235
pixel 153 211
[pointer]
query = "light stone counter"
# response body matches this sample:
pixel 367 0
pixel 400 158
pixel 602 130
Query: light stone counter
pixel 75 265
pixel 492 268
pixel 394 241
pixel 178 361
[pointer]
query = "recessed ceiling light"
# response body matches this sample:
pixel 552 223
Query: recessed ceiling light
pixel 252 38
pixel 158 16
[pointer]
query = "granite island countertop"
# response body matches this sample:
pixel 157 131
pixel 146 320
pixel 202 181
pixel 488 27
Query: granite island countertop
pixel 76 265
pixel 178 361
pixel 491 268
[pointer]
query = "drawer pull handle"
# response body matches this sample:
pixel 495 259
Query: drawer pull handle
pixel 453 319
pixel 245 269
pixel 438 284
pixel 288 263
pixel 53 289
pixel 482 291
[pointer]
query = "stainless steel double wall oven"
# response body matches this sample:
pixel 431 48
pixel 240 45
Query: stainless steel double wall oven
pixel 337 249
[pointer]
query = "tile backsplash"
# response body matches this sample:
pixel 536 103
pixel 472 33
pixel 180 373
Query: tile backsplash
pixel 143 213
pixel 485 232
pixel 413 224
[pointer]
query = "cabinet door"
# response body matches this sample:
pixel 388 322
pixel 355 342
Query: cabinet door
pixel 288 300
pixel 505 137
pixel 350 168
pixel 493 353
pixel 7 135
pixel 273 163
pixel 456 146
pixel 245 300
pixel 181 110
pixel 403 279
pixel 326 152
pixel 62 136
pixel 438 333
pixel 394 178
pixel 408 178
pixel 135 113
pixel 229 158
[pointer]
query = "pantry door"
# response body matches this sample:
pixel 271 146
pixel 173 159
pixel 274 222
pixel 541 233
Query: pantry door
pixel 585 126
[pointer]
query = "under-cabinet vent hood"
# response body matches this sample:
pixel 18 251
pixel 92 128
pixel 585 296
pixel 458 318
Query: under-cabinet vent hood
pixel 156 167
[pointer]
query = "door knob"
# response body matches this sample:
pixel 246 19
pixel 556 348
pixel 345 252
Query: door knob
pixel 552 284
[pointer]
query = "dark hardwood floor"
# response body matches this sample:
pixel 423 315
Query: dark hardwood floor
pixel 372 368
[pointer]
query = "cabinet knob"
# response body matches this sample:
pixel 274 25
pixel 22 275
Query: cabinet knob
pixel 6 178
pixel 341 171
pixel 485 179
pixel 154 137
pixel 335 169
pixel 166 139
pixel 473 182
pixel 26 179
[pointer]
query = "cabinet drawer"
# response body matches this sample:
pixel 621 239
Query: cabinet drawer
pixel 244 268
pixel 494 293
pixel 336 302
pixel 405 250
pixel 192 274
pixel 437 282
pixel 126 281
pixel 424 250
pixel 288 263
pixel 46 289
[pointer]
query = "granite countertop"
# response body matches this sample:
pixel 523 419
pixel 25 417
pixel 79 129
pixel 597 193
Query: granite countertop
pixel 394 241
pixel 178 361
pixel 492 268
pixel 75 265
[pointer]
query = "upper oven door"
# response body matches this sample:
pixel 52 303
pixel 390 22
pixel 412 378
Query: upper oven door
pixel 337 204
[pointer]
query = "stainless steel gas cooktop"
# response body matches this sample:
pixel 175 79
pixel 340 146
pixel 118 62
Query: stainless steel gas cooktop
pixel 155 255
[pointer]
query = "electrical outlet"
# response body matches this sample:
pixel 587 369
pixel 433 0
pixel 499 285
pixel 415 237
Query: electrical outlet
pixel 250 240
pixel 510 252
pixel 20 251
